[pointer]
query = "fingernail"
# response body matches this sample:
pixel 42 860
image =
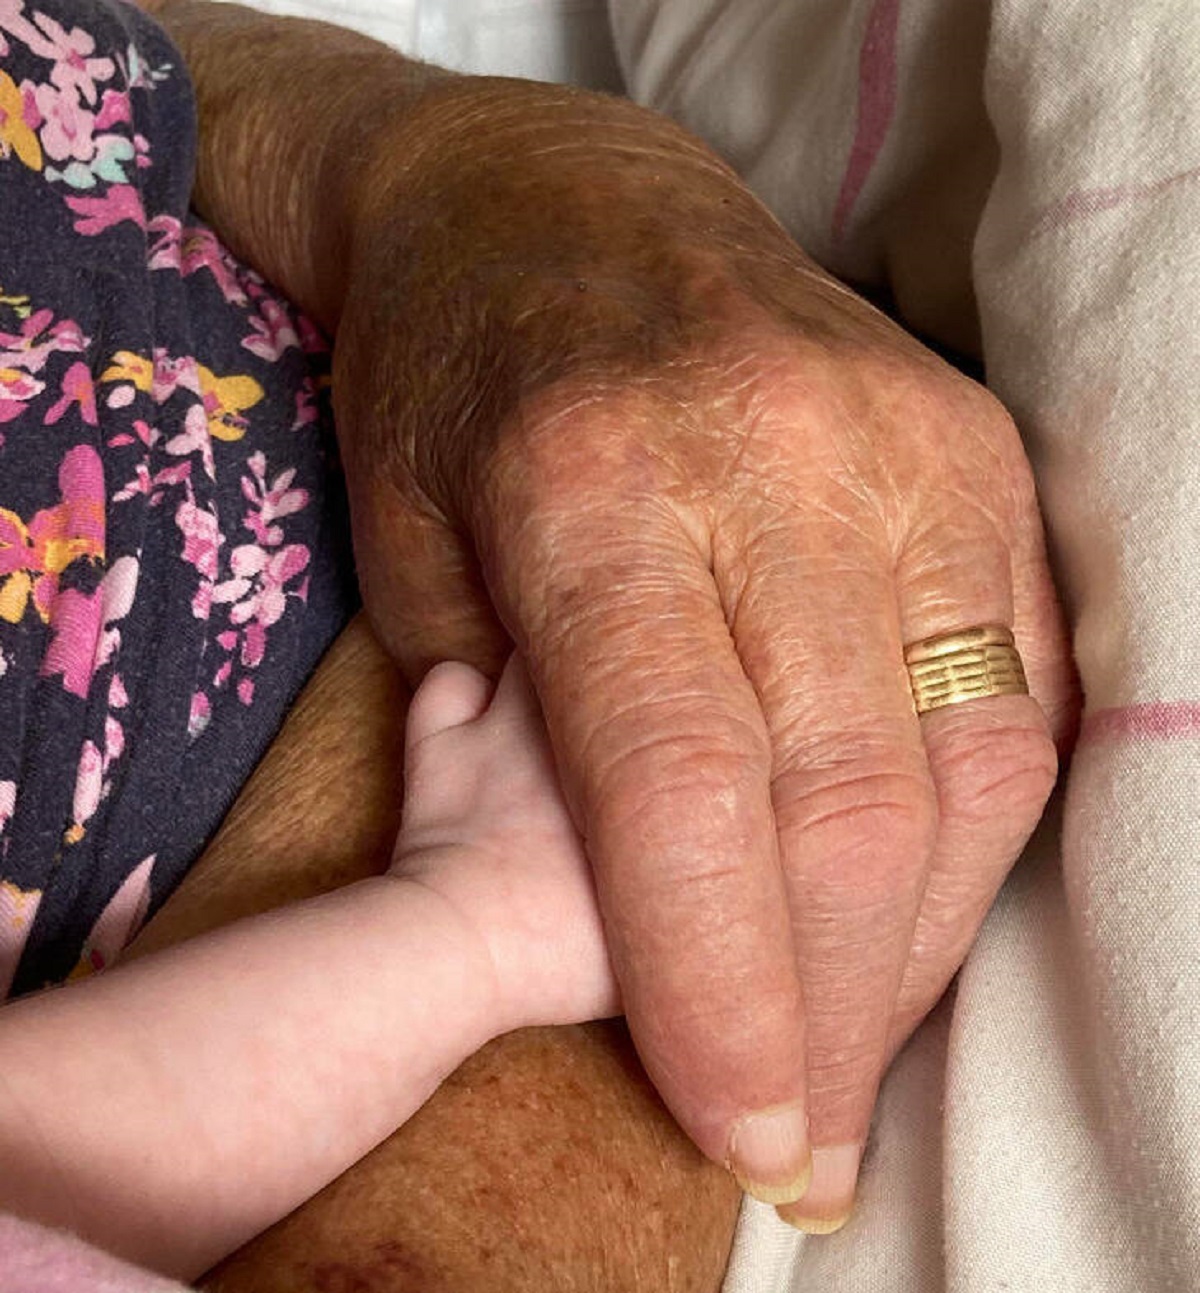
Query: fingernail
pixel 768 1153
pixel 827 1204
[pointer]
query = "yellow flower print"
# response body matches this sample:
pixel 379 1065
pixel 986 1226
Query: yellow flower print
pixel 15 135
pixel 33 556
pixel 128 367
pixel 19 305
pixel 17 906
pixel 224 400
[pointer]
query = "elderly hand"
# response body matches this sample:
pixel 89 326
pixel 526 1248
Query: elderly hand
pixel 597 403
pixel 593 400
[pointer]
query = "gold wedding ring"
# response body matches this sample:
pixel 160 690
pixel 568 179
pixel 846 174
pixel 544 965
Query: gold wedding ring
pixel 966 665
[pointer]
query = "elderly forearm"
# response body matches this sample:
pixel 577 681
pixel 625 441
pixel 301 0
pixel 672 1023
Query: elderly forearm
pixel 288 112
pixel 312 137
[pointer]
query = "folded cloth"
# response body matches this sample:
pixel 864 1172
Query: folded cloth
pixel 1024 176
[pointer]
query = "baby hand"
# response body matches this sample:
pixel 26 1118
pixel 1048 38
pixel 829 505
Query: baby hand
pixel 485 826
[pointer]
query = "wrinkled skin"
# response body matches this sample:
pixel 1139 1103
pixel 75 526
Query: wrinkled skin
pixel 592 399
pixel 545 1162
pixel 711 494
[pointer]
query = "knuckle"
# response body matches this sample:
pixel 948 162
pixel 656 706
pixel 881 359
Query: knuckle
pixel 1004 769
pixel 656 784
pixel 861 826
pixel 993 425
pixel 581 438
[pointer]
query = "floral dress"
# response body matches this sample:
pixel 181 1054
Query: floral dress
pixel 174 552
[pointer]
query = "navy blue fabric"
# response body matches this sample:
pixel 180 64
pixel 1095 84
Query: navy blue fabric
pixel 202 564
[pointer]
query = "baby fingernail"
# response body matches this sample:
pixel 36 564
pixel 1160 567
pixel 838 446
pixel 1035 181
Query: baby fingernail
pixel 827 1204
pixel 768 1153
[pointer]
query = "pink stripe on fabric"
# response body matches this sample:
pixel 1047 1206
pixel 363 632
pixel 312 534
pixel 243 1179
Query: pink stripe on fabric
pixel 1155 720
pixel 876 106
pixel 1083 203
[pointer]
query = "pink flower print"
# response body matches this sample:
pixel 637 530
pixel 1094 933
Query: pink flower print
pixel 201 537
pixel 312 340
pixel 114 740
pixel 258 592
pixel 159 377
pixel 83 626
pixel 254 645
pixel 67 126
pixel 200 249
pixel 16 390
pixel 266 573
pixel 18 907
pixel 13 21
pixel 72 650
pixel 140 75
pixel 262 576
pixel 32 557
pixel 192 248
pixel 32 326
pixel 194 438
pixel 202 599
pixel 272 504
pixel 233 590
pixel 120 202
pixel 306 405
pixel 117 591
pixel 201 545
pixel 119 922
pixel 115 109
pixel 165 252
pixel 77 388
pixel 81 482
pixel 147 434
pixel 141 482
pixel 173 374
pixel 92 782
pixel 111 155
pixel 38 339
pixel 199 715
pixel 8 801
pixel 76 69
pixel 273 331
pixel 118 697
pixel 89 779
pixel 179 474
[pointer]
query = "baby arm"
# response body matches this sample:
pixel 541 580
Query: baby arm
pixel 173 1108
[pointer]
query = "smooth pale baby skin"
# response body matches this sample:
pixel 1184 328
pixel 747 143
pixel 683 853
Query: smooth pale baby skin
pixel 545 1162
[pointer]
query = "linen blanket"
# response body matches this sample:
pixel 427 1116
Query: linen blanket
pixel 1024 176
